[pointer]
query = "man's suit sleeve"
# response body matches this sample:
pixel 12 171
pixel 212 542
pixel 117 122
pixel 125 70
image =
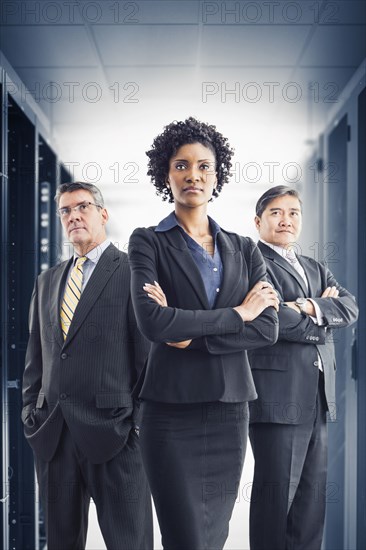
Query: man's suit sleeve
pixel 299 328
pixel 295 327
pixel 32 377
pixel 140 345
pixel 169 324
pixel 261 332
pixel 337 312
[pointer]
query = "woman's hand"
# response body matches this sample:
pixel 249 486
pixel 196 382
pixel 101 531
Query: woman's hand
pixel 261 296
pixel 179 345
pixel 156 293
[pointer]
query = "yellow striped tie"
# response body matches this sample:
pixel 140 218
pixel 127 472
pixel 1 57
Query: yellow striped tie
pixel 72 295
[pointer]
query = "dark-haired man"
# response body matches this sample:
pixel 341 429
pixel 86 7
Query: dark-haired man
pixel 295 382
pixel 83 358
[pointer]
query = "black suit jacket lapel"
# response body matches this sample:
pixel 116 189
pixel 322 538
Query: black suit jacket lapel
pixel 232 261
pixel 107 264
pixel 272 255
pixel 312 275
pixel 181 255
pixel 57 286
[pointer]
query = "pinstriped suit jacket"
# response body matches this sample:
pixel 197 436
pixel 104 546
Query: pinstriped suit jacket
pixel 87 379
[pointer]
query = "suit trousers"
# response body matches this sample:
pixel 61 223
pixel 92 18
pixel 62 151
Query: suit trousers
pixel 118 487
pixel 193 456
pixel 287 507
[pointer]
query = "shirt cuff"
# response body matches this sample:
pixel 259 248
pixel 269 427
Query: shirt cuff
pixel 318 319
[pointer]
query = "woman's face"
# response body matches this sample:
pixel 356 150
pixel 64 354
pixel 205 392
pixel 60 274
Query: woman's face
pixel 192 175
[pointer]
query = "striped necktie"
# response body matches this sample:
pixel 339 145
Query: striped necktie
pixel 292 259
pixel 72 295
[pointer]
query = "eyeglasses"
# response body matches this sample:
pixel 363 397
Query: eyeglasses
pixel 82 208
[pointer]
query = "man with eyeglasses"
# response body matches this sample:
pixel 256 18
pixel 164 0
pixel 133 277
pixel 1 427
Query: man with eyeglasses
pixel 83 358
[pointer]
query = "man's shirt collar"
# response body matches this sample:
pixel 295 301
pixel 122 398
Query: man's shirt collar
pixel 95 253
pixel 279 249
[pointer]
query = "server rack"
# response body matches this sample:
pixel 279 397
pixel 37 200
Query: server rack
pixel 30 243
pixel 360 349
pixel 3 290
pixel 340 177
pixel 22 252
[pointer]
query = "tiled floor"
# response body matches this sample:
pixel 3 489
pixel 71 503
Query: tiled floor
pixel 239 531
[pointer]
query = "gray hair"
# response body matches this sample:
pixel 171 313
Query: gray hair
pixel 75 186
pixel 273 193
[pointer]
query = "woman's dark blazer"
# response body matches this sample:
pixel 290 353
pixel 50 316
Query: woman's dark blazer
pixel 214 367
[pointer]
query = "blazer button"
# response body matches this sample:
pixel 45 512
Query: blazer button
pixel 63 396
pixel 63 355
pixel 316 363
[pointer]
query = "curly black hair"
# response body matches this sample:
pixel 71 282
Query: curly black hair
pixel 180 133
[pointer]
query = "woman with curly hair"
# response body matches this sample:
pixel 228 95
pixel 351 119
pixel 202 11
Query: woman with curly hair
pixel 200 296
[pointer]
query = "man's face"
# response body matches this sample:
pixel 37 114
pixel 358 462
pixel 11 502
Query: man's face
pixel 85 227
pixel 281 221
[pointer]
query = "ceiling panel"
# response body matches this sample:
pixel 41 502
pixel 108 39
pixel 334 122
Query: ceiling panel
pixel 172 12
pixel 111 12
pixel 62 84
pixel 344 12
pixel 252 46
pixel 160 13
pixel 336 46
pixel 41 46
pixel 57 12
pixel 260 13
pixel 147 45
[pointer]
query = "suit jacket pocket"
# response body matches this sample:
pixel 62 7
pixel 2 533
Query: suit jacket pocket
pixel 40 424
pixel 119 404
pixel 268 362
pixel 111 400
